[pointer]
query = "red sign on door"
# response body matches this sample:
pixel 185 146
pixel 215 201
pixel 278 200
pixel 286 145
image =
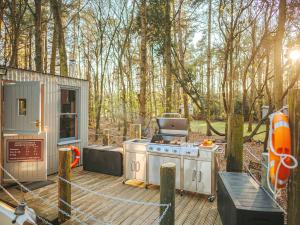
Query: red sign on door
pixel 24 150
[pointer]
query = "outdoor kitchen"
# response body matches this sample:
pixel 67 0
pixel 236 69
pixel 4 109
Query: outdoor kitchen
pixel 195 162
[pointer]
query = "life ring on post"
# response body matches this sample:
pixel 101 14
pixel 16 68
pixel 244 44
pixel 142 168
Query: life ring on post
pixel 77 156
pixel 280 150
pixel 280 157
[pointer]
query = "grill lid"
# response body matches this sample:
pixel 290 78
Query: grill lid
pixel 172 125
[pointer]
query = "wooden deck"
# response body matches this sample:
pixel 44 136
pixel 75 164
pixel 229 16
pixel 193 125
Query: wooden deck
pixel 190 208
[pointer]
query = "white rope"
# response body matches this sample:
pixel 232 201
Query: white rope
pixel 163 214
pixel 18 202
pixel 121 199
pixel 9 194
pixel 255 157
pixel 112 197
pixel 44 200
pixel 85 214
pixel 274 200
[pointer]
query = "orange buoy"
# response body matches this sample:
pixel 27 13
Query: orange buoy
pixel 280 150
pixel 77 156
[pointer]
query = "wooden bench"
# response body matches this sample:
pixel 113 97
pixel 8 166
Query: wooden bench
pixel 242 202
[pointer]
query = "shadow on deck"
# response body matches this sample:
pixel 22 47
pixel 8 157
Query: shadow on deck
pixel 190 208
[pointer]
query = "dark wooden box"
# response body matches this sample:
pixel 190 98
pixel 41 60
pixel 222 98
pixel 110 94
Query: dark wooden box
pixel 103 159
pixel 242 202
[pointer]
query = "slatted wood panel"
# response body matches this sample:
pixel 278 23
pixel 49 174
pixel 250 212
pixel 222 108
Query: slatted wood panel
pixel 190 208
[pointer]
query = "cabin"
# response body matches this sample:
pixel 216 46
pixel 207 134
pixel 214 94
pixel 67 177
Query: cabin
pixel 40 113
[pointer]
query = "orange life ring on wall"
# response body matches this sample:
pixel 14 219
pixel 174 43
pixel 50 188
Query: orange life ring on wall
pixel 77 156
pixel 280 150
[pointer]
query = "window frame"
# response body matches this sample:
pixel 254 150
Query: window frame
pixel 77 114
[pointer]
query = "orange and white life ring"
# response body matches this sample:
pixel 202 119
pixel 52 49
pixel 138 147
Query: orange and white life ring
pixel 279 152
pixel 77 156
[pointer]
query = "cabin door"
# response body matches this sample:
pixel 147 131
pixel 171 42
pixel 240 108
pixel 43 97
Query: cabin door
pixel 24 137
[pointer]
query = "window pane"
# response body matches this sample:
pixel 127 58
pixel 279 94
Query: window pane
pixel 22 107
pixel 67 126
pixel 68 101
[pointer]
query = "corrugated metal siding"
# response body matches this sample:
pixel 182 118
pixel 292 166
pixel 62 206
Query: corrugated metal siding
pixel 52 101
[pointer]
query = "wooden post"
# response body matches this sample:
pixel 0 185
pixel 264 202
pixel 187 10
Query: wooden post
pixel 135 131
pixel 294 182
pixel 64 188
pixel 235 143
pixel 1 134
pixel 106 137
pixel 167 192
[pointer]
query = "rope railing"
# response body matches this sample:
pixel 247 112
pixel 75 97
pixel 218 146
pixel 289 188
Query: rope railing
pixel 47 202
pixel 18 203
pixel 127 201
pixel 86 215
pixel 78 210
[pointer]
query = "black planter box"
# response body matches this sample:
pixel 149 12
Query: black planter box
pixel 242 202
pixel 103 159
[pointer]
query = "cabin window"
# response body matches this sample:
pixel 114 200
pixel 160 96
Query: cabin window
pixel 22 107
pixel 68 114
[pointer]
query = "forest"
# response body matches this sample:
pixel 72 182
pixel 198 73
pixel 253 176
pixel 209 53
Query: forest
pixel 204 59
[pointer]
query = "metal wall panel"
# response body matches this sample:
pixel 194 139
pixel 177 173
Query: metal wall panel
pixel 51 115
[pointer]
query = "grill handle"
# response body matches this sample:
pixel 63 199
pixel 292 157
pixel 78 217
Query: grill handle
pixel 171 115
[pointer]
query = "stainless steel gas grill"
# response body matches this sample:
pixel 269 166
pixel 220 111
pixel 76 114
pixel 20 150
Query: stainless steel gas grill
pixel 195 166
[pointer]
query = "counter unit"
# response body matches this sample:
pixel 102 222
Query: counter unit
pixel 194 172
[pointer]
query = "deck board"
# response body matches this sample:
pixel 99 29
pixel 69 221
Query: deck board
pixel 190 208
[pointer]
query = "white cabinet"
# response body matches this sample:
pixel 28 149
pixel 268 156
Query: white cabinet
pixel 190 175
pixel 135 166
pixel 204 177
pixel 197 176
pixel 154 168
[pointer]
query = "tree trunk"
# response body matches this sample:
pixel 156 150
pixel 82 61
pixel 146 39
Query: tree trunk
pixel 182 62
pixel 235 143
pixel 143 64
pixel 38 36
pixel 167 57
pixel 45 53
pixel 278 75
pixel 30 51
pixel 208 96
pixel 14 36
pixel 54 50
pixel 56 9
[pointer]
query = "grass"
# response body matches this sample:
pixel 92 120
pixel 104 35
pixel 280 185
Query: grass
pixel 199 126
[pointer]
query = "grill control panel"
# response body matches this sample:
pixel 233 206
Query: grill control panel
pixel 176 150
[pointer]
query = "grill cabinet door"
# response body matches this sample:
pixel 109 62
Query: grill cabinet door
pixel 204 177
pixel 190 175
pixel 140 167
pixel 154 169
pixel 130 165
